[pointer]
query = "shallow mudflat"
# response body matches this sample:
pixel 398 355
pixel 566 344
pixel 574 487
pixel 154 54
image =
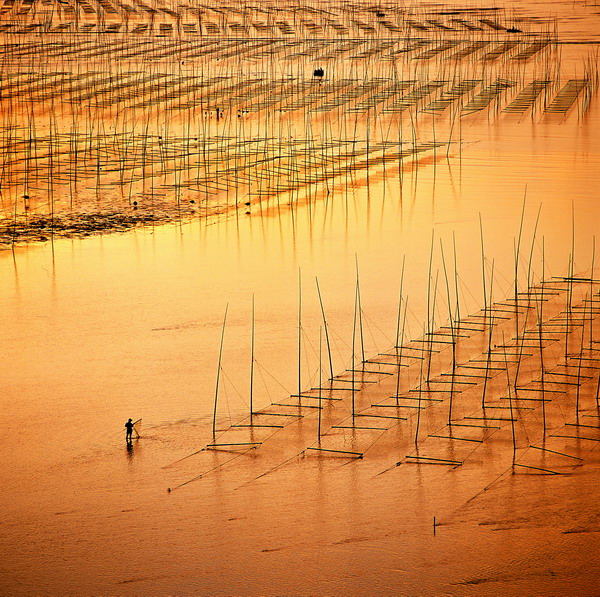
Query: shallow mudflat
pixel 45 228
pixel 397 257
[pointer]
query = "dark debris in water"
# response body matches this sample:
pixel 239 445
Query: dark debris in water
pixel 42 228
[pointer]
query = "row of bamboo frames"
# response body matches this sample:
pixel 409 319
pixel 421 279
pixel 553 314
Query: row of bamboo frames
pixel 71 49
pixel 218 135
pixel 525 369
pixel 200 127
pixel 30 16
pixel 254 30
pixel 220 138
pixel 137 91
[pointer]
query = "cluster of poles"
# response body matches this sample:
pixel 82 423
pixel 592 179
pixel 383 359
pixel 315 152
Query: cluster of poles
pixel 541 352
pixel 200 127
pixel 238 18
pixel 541 340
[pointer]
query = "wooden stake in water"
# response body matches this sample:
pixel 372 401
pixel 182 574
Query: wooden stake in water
pixel 530 263
pixel 517 251
pixel 360 322
pixel 581 358
pixel 568 306
pixel 570 284
pixel 352 365
pixel 489 346
pixel 400 339
pixel 592 291
pixel 452 332
pixel 420 399
pixel 299 336
pixel 540 320
pixel 320 383
pixel 485 305
pixel 457 314
pixel 400 304
pixel 326 332
pixel 430 309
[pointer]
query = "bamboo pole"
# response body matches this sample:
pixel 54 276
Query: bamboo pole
pixel 452 332
pixel 252 363
pixel 320 385
pixel 510 402
pixel 420 396
pixel 214 424
pixel 352 366
pixel 325 327
pixel 541 347
pixel 299 336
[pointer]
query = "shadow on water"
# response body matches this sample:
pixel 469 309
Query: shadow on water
pixel 129 446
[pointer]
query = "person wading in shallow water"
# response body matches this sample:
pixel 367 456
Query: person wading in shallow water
pixel 129 428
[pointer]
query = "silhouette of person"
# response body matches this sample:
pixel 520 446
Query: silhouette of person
pixel 129 428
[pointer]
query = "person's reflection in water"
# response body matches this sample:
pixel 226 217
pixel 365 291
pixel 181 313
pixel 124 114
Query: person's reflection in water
pixel 129 449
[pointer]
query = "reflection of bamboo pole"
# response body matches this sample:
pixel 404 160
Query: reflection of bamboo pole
pixel 252 362
pixel 489 347
pixel 420 399
pixel 540 320
pixel 510 402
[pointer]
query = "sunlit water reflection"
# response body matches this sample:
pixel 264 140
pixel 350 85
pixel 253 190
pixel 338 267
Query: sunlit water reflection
pixel 101 329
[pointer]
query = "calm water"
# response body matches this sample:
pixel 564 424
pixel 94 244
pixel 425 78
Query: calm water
pixel 129 325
